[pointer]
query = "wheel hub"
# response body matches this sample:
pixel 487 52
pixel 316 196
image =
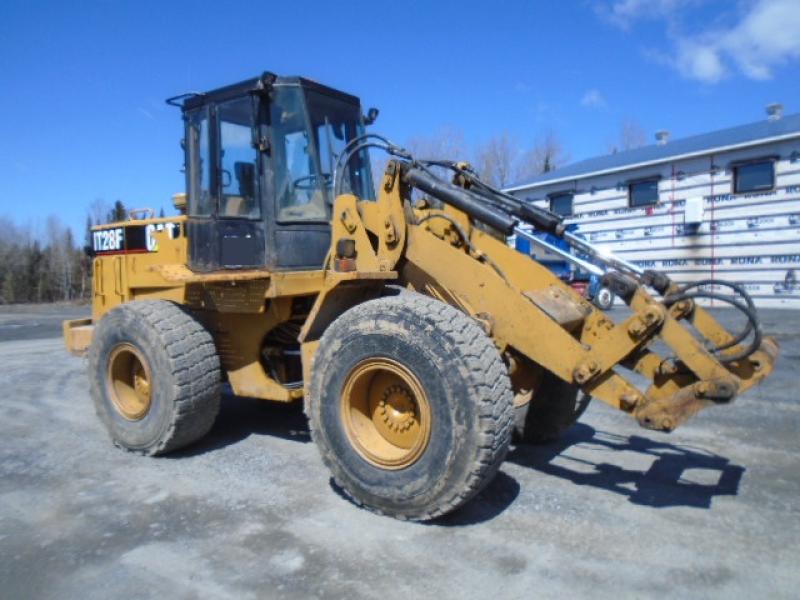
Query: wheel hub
pixel 397 408
pixel 128 381
pixel 140 383
pixel 385 413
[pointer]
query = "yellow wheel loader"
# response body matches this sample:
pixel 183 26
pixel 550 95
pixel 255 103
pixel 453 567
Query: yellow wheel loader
pixel 418 340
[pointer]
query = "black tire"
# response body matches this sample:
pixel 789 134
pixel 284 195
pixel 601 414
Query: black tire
pixel 554 408
pixel 604 298
pixel 184 375
pixel 467 387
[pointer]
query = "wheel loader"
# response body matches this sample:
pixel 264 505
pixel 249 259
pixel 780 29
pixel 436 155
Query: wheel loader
pixel 417 339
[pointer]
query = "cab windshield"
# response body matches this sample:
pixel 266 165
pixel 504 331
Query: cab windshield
pixel 309 132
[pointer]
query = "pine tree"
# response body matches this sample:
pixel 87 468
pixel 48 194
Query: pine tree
pixel 83 259
pixel 117 213
pixel 87 236
pixel 36 280
pixel 67 264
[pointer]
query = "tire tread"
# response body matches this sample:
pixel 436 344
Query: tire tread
pixel 193 363
pixel 487 375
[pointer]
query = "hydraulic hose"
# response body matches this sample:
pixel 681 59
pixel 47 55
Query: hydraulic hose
pixel 747 308
pixel 741 292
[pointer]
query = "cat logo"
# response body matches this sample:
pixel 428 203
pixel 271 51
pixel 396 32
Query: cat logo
pixel 152 242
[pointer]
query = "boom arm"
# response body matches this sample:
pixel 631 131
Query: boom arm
pixel 533 317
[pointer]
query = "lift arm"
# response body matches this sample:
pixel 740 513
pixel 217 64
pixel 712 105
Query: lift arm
pixel 528 311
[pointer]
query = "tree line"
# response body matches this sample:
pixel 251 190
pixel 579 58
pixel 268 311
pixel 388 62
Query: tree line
pixel 503 160
pixel 500 161
pixel 47 264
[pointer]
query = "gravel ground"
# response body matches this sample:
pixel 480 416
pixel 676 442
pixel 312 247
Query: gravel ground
pixel 611 510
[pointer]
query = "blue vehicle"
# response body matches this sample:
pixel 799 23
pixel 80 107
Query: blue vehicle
pixel 587 284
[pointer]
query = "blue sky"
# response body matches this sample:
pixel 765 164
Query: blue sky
pixel 83 84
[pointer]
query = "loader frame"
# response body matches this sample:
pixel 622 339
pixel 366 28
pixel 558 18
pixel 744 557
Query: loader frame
pixel 537 322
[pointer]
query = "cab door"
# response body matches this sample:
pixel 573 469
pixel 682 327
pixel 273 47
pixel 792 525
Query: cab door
pixel 225 225
pixel 299 199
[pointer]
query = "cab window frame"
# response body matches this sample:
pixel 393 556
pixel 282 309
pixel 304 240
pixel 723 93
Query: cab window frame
pixel 313 151
pixel 217 152
pixel 205 178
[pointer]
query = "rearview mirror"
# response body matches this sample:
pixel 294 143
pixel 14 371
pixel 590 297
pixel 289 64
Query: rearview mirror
pixel 371 115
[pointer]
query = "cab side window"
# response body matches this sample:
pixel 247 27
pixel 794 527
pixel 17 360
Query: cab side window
pixel 299 188
pixel 238 161
pixel 201 202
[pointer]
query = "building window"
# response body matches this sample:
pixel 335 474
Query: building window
pixel 643 193
pixel 754 177
pixel 561 203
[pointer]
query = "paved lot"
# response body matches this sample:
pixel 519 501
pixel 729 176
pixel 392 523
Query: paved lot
pixel 612 510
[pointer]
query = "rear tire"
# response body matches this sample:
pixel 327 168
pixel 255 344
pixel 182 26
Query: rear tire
pixel 410 406
pixel 554 408
pixel 155 377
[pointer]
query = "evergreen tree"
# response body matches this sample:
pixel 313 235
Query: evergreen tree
pixel 37 286
pixel 117 213
pixel 87 239
pixel 84 261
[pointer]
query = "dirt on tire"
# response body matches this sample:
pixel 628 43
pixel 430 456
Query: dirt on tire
pixel 185 373
pixel 469 391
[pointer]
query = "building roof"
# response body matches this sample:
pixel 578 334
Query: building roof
pixel 724 139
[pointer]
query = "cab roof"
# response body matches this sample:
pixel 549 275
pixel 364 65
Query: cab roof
pixel 192 100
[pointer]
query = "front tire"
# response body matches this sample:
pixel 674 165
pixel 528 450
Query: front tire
pixel 155 377
pixel 410 406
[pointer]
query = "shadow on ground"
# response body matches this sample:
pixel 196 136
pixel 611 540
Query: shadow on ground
pixel 676 476
pixel 239 418
pixel 670 480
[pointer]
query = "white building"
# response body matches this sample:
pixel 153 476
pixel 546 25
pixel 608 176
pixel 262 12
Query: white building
pixel 722 205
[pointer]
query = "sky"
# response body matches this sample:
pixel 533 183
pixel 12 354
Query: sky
pixel 82 84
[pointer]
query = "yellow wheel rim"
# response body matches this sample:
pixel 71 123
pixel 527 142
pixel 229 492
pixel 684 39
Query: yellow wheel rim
pixel 129 382
pixel 386 413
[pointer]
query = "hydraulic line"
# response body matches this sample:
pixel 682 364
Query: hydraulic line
pixel 502 200
pixel 345 158
pixel 465 238
pixel 360 143
pixel 747 308
pixel 741 292
pixel 541 219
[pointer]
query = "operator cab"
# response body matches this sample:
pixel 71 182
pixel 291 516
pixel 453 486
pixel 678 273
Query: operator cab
pixel 260 158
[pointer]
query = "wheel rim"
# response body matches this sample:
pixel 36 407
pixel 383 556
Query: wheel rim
pixel 129 382
pixel 386 413
pixel 604 297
